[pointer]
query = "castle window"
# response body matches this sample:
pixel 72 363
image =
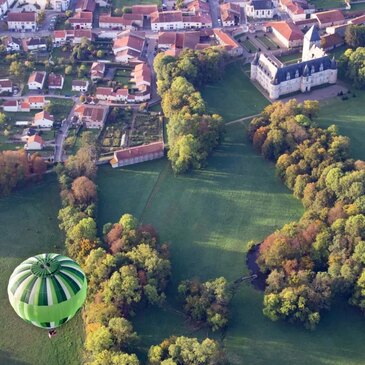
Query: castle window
pixel 288 76
pixel 296 73
pixel 313 69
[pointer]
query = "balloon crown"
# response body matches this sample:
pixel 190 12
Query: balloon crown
pixel 45 267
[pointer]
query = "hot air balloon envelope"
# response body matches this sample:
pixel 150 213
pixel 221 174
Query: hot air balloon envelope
pixel 47 290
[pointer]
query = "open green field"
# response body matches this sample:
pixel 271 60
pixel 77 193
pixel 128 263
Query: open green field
pixel 348 115
pixel 121 3
pixel 328 4
pixel 234 96
pixel 28 227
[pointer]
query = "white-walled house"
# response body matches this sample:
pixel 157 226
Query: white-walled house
pixel 6 86
pixel 80 85
pixel 36 102
pixel 36 80
pixel 43 120
pixel 34 143
pixel 260 9
pixel 11 44
pixel 24 21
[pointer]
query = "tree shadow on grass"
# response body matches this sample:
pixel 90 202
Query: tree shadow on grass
pixel 6 359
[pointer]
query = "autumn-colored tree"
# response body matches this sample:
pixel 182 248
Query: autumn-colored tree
pixel 84 190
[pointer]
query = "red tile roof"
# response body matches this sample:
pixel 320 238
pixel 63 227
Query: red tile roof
pixel 35 138
pixel 43 115
pixel 288 30
pixel 144 9
pixel 81 17
pixel 55 80
pixel 225 39
pixel 6 83
pixel 130 40
pixel 22 17
pixel 359 20
pixel 37 76
pixel 36 99
pixel 104 91
pixel 167 17
pixel 330 16
pixel 139 151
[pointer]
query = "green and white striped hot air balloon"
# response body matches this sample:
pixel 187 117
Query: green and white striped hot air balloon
pixel 47 290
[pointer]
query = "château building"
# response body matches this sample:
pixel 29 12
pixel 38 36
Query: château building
pixel 315 69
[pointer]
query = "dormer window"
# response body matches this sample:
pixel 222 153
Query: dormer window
pixel 288 76
pixel 313 70
pixel 321 67
pixel 296 73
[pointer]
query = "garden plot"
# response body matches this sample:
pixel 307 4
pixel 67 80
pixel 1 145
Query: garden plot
pixel 147 128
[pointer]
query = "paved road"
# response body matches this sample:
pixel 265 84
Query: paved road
pixel 61 136
pixel 214 12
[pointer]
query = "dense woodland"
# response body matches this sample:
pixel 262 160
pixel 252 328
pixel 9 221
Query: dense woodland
pixel 323 254
pixel 192 132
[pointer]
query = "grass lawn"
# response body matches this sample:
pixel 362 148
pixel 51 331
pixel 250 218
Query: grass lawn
pixel 208 217
pixel 29 226
pixel 61 108
pixel 121 3
pixel 249 45
pixel 348 115
pixel 289 59
pixel 328 4
pixel 268 42
pixel 234 96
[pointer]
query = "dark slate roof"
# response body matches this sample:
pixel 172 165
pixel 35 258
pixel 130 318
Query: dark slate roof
pixel 313 34
pixel 313 66
pixel 262 4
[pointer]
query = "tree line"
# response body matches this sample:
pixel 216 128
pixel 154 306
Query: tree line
pixel 192 132
pixel 310 261
pixel 127 268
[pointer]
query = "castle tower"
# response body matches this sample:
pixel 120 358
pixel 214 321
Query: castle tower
pixel 333 76
pixel 311 38
pixel 305 84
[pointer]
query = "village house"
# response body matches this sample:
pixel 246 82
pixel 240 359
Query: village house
pixel 227 42
pixel 61 37
pixel 287 33
pixel 11 44
pixel 97 71
pixel 85 5
pixel 145 10
pixel 128 46
pixel 230 14
pixel 260 9
pixel 27 132
pixel 82 20
pixel 315 69
pixel 331 41
pixel 133 155
pixel 21 22
pixel 93 116
pixel 141 77
pixel 43 120
pixel 329 18
pixel 60 5
pixel 177 20
pixel 6 86
pixel 34 143
pixel 103 93
pixel 34 44
pixel 36 80
pixel 125 22
pixel 10 106
pixel 80 85
pixel 297 9
pixel 55 81
pixel 36 102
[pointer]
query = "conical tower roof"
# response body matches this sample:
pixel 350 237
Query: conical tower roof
pixel 312 35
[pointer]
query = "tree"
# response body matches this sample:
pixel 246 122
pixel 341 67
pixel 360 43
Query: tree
pixel 83 163
pixel 16 68
pixel 118 11
pixel 186 351
pixel 84 190
pixel 355 36
pixel 128 222
pixel 82 71
pixel 100 53
pixel 99 340
pixel 41 16
pixel 207 302
pixel 107 357
pixel 122 333
pixel 85 229
pixel 68 70
pixel 3 119
pixel 184 154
